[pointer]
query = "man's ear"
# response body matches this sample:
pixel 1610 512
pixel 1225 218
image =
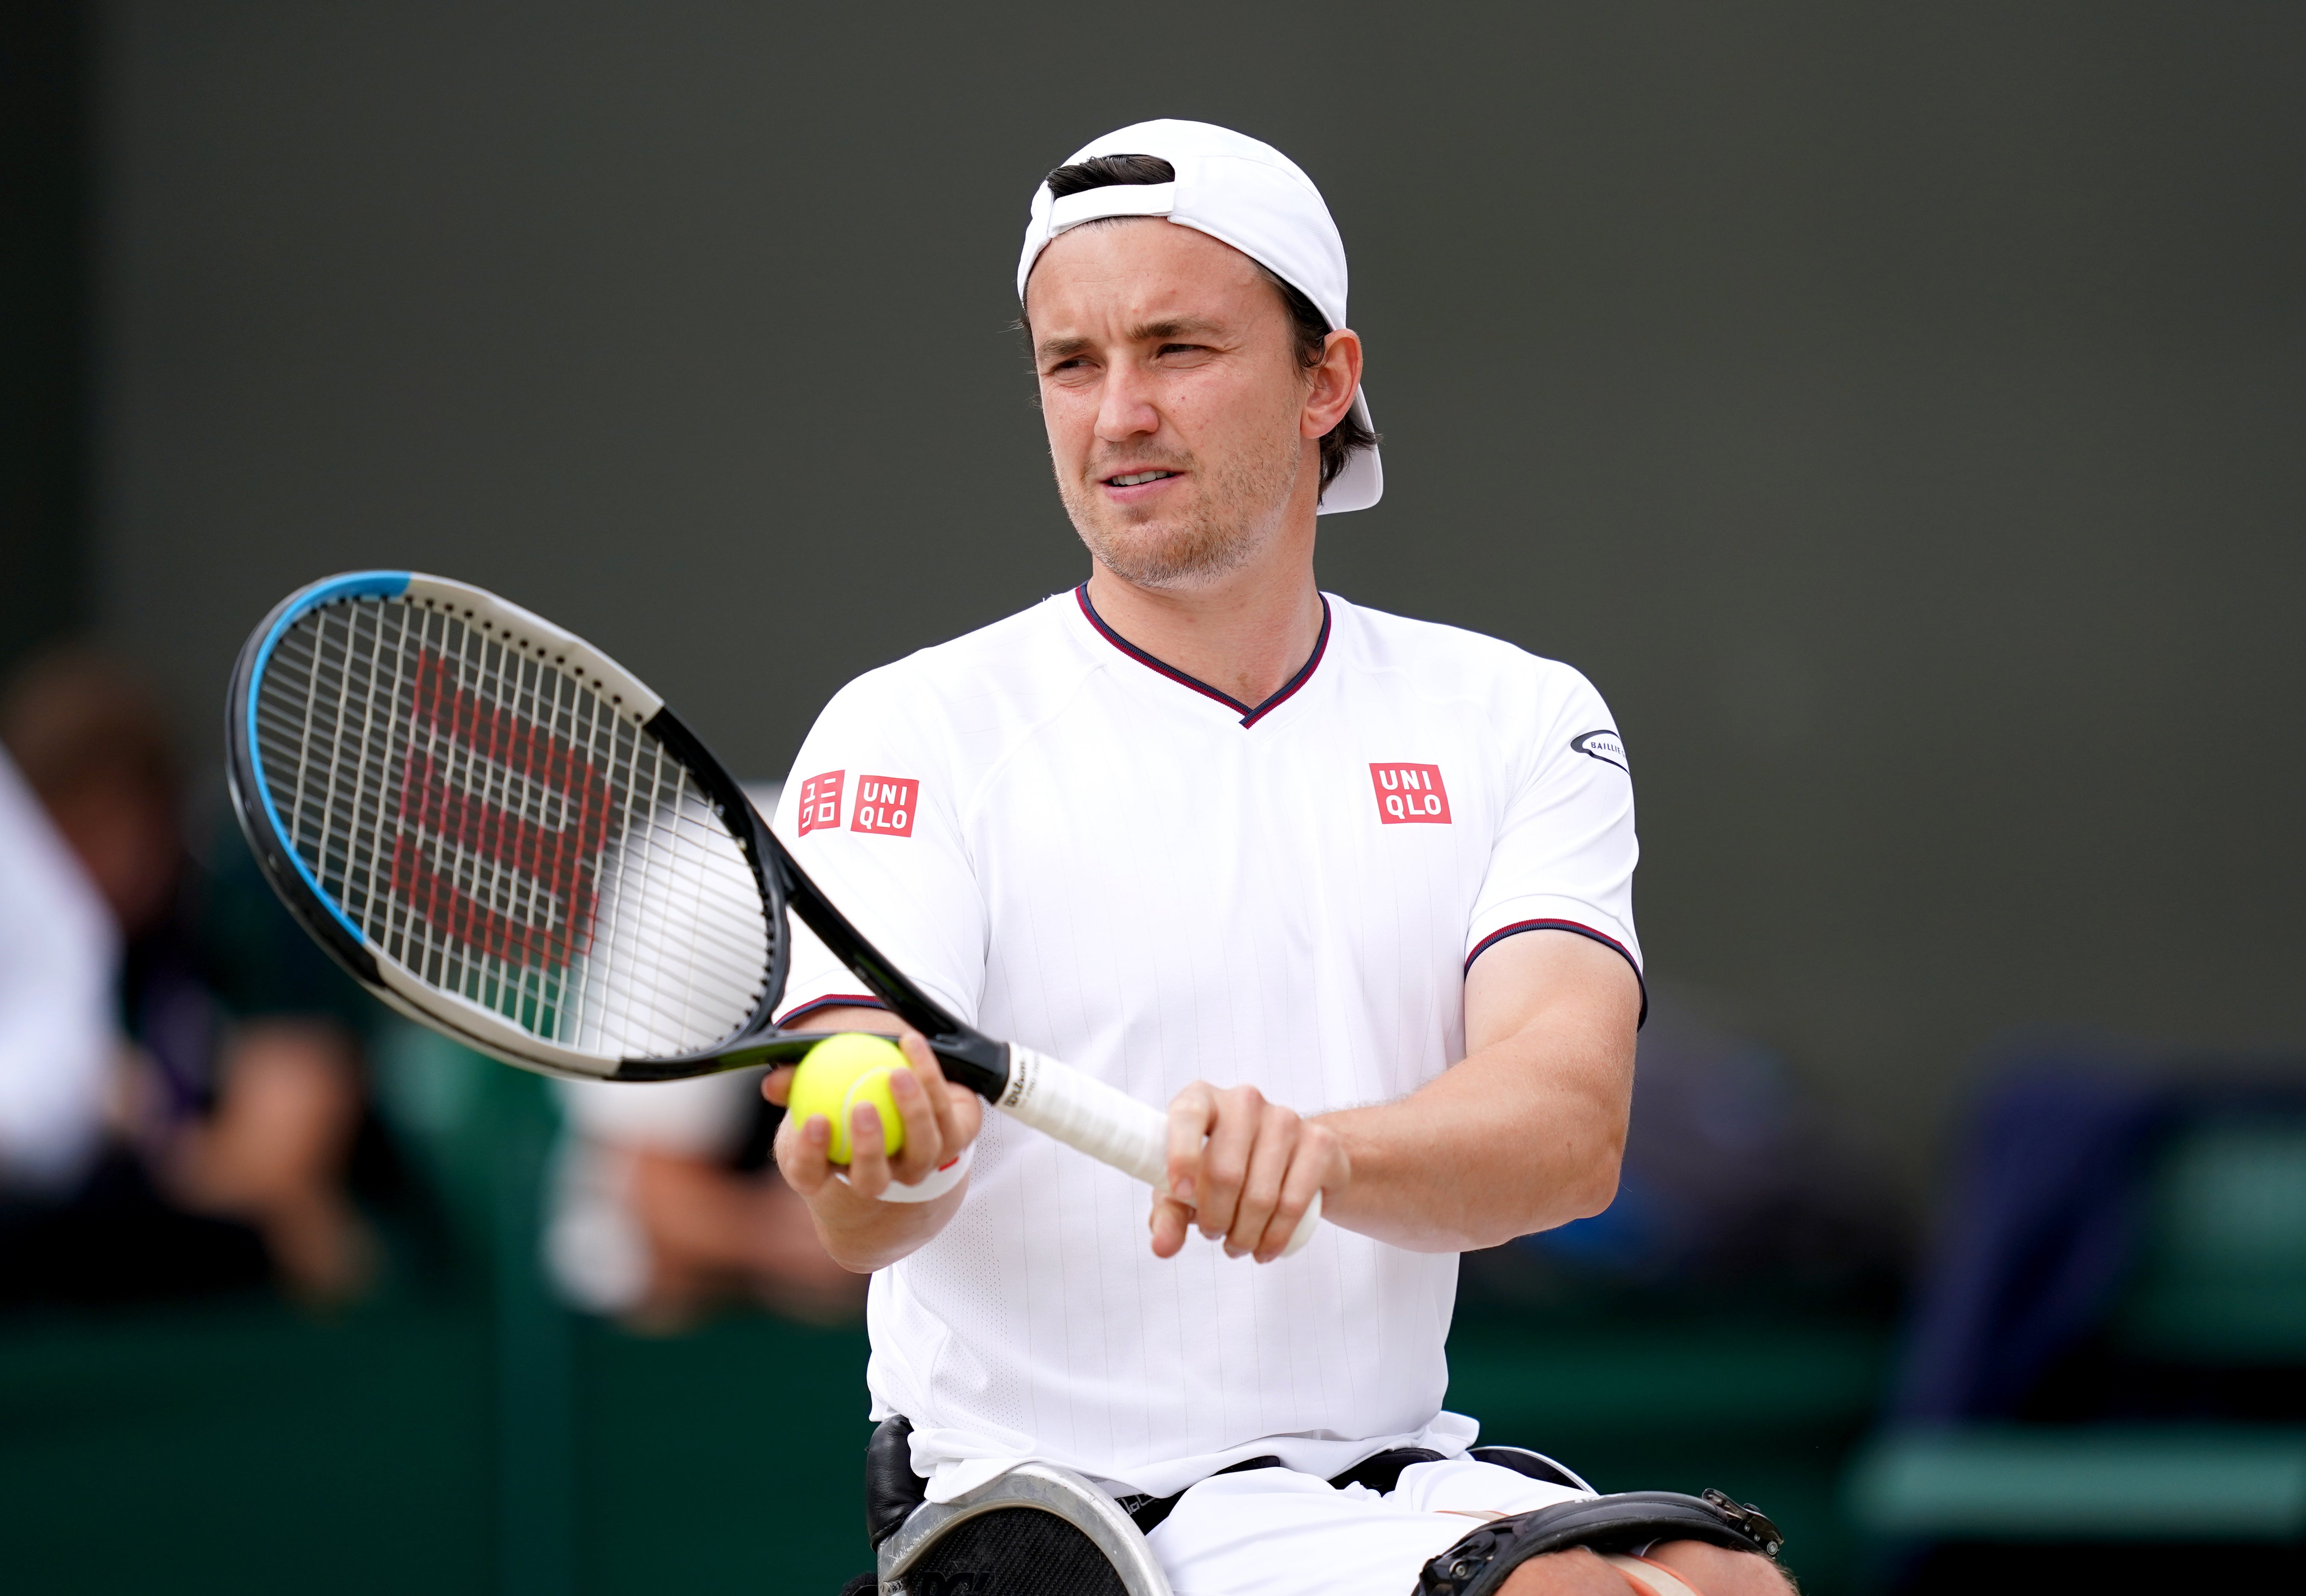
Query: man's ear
pixel 1336 377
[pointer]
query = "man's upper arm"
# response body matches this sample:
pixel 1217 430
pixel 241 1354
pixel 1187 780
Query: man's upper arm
pixel 1572 985
pixel 1563 856
pixel 871 814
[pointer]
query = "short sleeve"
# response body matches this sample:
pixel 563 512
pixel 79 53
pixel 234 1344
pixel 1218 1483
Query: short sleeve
pixel 870 814
pixel 1566 850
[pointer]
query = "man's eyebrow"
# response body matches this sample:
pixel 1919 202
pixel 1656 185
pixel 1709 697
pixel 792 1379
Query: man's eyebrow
pixel 1144 332
pixel 1177 327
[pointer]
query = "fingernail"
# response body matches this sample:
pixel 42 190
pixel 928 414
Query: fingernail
pixel 901 1083
pixel 1184 1192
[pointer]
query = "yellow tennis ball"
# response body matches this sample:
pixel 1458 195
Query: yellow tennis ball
pixel 839 1073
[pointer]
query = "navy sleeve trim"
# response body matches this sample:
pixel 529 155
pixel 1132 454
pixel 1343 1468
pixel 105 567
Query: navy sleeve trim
pixel 839 1000
pixel 1574 927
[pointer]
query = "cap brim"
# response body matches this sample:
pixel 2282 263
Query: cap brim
pixel 1362 483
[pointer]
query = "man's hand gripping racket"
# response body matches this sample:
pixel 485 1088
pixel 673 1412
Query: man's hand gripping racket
pixel 503 834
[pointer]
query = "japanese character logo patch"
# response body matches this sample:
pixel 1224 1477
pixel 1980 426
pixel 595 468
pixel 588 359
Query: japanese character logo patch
pixel 820 802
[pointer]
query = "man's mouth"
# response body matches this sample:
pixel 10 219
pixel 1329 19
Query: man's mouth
pixel 1133 478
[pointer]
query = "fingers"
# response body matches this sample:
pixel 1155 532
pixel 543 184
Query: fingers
pixel 869 1170
pixel 918 1093
pixel 924 1143
pixel 1224 1161
pixel 1241 1170
pixel 1269 1159
pixel 941 1119
pixel 1313 1162
pixel 776 1086
pixel 960 1113
pixel 1191 1113
pixel 802 1154
pixel 1170 1222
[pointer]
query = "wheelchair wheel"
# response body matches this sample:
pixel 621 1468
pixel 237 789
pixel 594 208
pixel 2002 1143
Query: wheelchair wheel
pixel 1010 1551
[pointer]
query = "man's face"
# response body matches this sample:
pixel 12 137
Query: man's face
pixel 125 836
pixel 1174 399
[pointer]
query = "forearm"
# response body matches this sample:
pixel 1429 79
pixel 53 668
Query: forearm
pixel 1478 1156
pixel 1526 1133
pixel 863 1234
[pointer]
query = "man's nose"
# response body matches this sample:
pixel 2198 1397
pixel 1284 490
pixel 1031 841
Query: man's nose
pixel 1125 408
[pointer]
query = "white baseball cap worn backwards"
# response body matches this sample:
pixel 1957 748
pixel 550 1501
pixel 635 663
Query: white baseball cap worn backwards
pixel 1240 192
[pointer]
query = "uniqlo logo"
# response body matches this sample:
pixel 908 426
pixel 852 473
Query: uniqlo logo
pixel 1409 794
pixel 820 802
pixel 884 806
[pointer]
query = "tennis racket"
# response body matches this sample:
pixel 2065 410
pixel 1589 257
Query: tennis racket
pixel 503 834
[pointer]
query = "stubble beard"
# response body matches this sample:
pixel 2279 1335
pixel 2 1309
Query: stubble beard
pixel 1233 515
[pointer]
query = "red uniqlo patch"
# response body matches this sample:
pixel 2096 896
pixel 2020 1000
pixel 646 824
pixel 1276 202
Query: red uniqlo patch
pixel 884 806
pixel 1409 794
pixel 820 802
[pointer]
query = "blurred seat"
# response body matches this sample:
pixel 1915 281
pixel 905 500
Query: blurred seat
pixel 2179 1418
pixel 2224 1279
pixel 2086 1482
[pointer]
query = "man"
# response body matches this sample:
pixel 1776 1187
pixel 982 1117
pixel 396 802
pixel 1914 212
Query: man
pixel 203 1148
pixel 1350 894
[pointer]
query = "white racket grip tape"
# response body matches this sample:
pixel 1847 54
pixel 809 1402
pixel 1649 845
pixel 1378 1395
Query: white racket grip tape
pixel 1109 1125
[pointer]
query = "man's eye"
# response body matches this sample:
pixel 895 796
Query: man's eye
pixel 1184 349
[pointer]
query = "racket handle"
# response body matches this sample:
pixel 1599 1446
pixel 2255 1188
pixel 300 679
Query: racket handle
pixel 1109 1125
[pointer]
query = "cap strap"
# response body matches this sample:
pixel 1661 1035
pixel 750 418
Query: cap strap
pixel 1120 199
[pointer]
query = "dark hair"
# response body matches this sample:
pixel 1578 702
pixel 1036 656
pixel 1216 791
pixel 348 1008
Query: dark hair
pixel 1307 325
pixel 73 718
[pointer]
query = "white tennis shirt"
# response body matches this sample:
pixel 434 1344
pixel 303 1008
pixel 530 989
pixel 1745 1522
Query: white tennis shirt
pixel 1070 845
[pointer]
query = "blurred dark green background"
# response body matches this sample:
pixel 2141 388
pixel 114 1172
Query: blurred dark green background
pixel 1897 412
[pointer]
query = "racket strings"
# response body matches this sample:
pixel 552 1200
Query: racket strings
pixel 494 826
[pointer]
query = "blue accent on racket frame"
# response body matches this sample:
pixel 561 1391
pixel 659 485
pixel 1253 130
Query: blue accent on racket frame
pixel 353 584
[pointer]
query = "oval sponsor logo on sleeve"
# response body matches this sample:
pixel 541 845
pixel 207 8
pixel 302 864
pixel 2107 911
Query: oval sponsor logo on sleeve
pixel 1605 746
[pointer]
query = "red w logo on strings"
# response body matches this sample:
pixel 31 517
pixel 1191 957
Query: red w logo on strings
pixel 502 824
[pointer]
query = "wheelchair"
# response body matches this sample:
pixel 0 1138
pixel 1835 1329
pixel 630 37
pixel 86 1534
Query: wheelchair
pixel 1036 1531
pixel 1043 1530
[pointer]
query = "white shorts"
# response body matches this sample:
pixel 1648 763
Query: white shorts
pixel 1278 1533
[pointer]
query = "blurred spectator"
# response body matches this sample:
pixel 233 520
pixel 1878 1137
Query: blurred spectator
pixel 667 1205
pixel 225 1140
pixel 58 955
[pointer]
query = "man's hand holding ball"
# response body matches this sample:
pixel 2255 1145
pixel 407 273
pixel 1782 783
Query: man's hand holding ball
pixel 870 1109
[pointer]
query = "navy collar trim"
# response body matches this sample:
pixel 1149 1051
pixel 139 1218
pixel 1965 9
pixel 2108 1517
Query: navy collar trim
pixel 1249 717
